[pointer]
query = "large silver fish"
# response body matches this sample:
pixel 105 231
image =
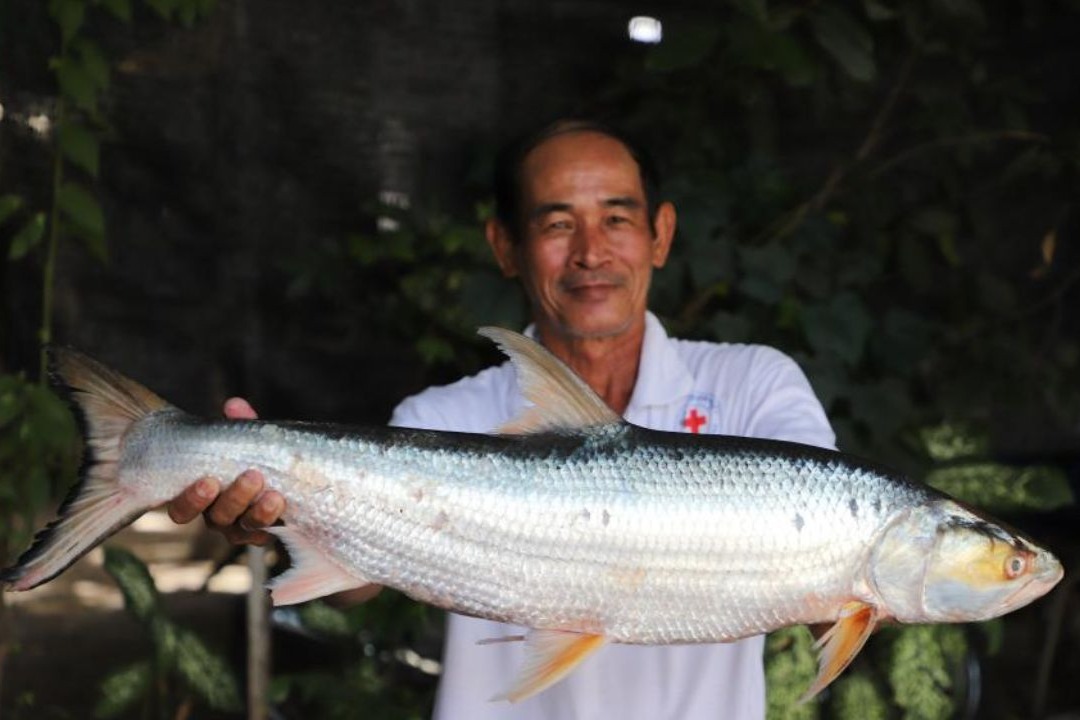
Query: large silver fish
pixel 569 521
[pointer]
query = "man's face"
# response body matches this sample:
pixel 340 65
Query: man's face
pixel 587 248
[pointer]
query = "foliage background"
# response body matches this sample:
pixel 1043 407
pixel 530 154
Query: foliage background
pixel 886 191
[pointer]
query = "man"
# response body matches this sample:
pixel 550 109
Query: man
pixel 579 222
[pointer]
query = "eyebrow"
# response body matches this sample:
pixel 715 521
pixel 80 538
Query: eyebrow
pixel 622 201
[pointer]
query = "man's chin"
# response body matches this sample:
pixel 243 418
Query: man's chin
pixel 595 329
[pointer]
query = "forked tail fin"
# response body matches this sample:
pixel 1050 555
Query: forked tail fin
pixel 107 404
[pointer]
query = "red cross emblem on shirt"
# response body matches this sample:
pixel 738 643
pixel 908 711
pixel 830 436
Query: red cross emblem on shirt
pixel 694 421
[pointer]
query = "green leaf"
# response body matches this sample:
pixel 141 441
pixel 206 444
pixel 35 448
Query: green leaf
pixel 730 327
pixel 93 61
pixel 756 9
pixel 877 10
pixel 846 39
pixel 433 349
pixel 759 47
pixel 765 271
pixel 856 696
pixel 85 214
pixel 320 618
pixel 683 46
pixel 29 236
pixel 76 84
pixel 1004 489
pixel 839 327
pixel 9 205
pixel 80 146
pixel 996 294
pixel 922 660
pixel 916 267
pixel 883 406
pixel 968 11
pixel 164 8
pixel 140 595
pixel 69 15
pixel 790 668
pixel 206 672
pixel 120 9
pixel 122 688
pixel 951 441
pixel 903 341
pixel 941 224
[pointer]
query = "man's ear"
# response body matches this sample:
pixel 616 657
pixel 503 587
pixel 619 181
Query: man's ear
pixel 502 247
pixel 663 233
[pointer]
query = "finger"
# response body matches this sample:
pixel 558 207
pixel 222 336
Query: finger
pixel 189 504
pixel 264 512
pixel 239 409
pixel 234 500
pixel 237 536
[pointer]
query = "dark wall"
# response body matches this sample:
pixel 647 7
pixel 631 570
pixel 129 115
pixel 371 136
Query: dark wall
pixel 265 133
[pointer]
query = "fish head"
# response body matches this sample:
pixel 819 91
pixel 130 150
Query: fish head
pixel 940 562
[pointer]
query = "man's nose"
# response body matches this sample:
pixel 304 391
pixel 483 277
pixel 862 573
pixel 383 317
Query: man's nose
pixel 590 246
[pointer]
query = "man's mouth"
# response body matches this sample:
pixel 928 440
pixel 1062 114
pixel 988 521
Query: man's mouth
pixel 592 284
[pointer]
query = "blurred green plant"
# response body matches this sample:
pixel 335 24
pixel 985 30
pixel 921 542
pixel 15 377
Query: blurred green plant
pixel 182 668
pixel 38 440
pixel 376 666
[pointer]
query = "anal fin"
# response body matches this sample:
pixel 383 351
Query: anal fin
pixel 312 574
pixel 549 656
pixel 841 643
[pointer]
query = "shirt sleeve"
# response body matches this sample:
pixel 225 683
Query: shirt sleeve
pixel 783 406
pixel 417 413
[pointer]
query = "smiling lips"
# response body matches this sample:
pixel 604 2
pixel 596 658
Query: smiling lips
pixel 591 285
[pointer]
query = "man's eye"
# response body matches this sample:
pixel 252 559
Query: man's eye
pixel 559 225
pixel 618 220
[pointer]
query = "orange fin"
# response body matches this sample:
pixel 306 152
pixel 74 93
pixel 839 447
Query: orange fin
pixel 549 656
pixel 843 641
pixel 312 574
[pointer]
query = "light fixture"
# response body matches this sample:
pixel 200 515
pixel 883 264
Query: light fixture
pixel 644 29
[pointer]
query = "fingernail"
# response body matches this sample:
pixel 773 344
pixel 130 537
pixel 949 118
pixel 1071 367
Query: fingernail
pixel 274 505
pixel 204 488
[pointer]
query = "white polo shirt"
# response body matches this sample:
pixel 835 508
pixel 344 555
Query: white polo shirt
pixel 686 386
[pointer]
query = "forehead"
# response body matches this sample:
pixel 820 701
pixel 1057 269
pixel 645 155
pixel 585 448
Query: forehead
pixel 581 161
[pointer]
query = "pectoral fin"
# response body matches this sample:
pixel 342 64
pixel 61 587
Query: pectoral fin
pixel 312 574
pixel 843 641
pixel 549 656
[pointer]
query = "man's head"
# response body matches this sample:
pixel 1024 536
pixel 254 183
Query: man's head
pixel 511 158
pixel 580 231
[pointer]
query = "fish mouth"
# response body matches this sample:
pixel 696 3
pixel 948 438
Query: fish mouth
pixel 1048 573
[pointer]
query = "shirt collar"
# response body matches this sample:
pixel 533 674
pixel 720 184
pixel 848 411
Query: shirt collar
pixel 662 375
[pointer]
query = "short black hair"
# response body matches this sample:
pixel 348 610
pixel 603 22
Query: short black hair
pixel 509 161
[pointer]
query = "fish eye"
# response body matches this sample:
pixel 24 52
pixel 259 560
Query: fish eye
pixel 1015 566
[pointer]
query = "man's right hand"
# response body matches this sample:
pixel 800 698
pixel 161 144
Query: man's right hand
pixel 242 508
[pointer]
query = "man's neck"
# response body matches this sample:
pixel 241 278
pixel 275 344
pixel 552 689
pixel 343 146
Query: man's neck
pixel 609 364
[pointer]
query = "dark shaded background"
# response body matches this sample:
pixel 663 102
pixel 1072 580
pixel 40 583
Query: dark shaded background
pixel 880 212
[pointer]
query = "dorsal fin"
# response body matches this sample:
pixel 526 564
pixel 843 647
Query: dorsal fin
pixel 560 399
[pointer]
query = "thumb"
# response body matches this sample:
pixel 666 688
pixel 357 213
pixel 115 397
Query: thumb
pixel 239 409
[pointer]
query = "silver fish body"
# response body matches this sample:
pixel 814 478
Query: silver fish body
pixel 642 536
